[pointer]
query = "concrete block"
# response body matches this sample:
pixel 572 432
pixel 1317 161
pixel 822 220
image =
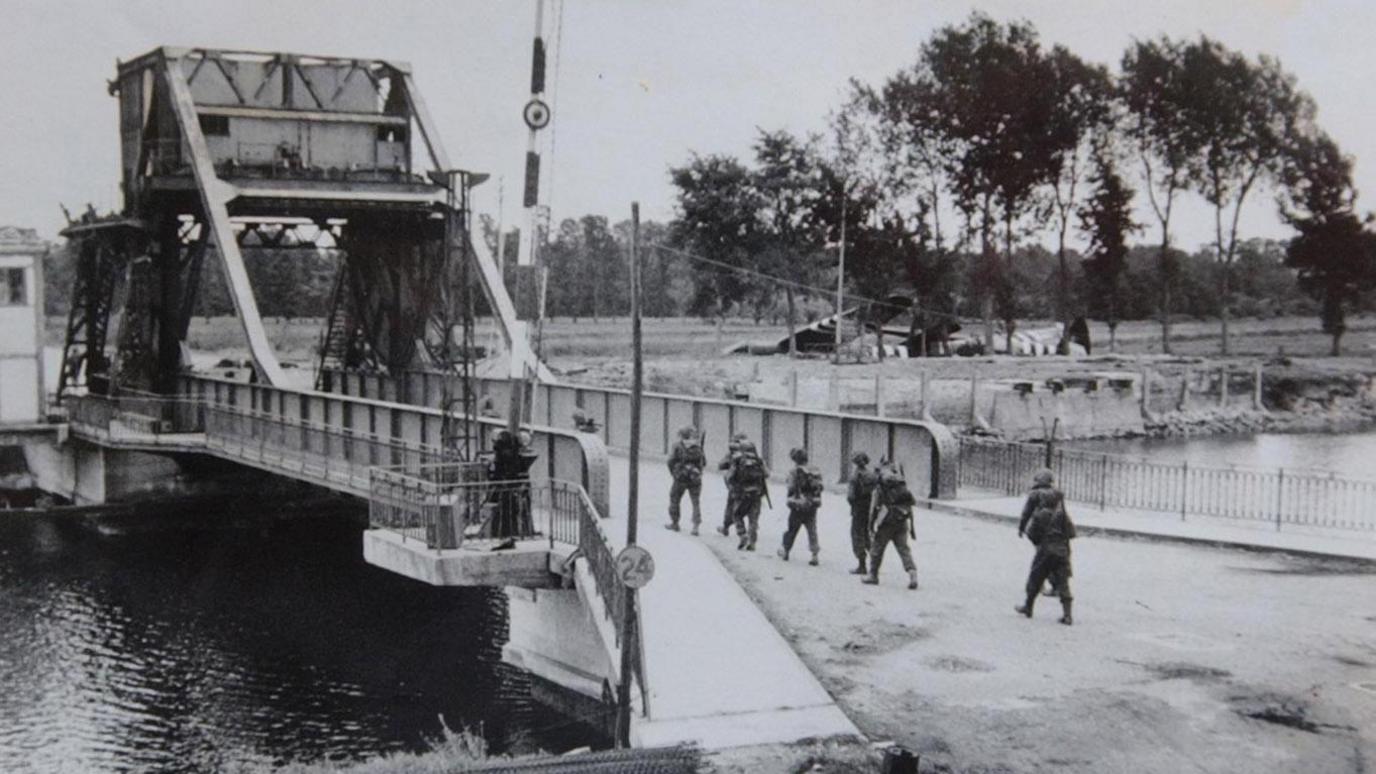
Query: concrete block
pixel 526 566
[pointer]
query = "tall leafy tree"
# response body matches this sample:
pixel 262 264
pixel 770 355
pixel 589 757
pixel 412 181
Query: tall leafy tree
pixel 1082 116
pixel 1241 114
pixel 990 103
pixel 1155 89
pixel 1106 218
pixel 717 219
pixel 1333 251
pixel 789 186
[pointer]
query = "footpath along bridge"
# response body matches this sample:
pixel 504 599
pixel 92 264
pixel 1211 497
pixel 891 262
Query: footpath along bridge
pixel 708 667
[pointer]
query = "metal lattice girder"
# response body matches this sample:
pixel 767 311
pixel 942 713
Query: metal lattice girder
pixel 215 196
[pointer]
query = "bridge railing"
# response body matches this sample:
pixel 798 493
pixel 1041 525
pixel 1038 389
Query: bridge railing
pixel 1279 497
pixel 135 414
pixel 333 455
pixel 929 450
pixel 444 505
pixel 340 432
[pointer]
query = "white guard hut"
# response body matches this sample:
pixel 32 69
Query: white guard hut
pixel 21 326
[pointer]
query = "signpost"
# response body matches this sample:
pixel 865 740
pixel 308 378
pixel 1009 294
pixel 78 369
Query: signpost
pixel 638 567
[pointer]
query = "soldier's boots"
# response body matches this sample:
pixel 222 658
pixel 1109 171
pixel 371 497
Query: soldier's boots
pixel 741 545
pixel 912 580
pixel 672 526
pixel 871 579
pixel 860 570
pixel 813 562
pixel 694 533
pixel 1026 607
pixel 1065 608
pixel 724 531
pixel 750 546
pixel 783 554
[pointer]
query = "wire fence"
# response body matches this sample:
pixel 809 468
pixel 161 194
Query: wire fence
pixel 1280 497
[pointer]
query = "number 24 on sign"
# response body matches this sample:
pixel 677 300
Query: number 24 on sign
pixel 635 566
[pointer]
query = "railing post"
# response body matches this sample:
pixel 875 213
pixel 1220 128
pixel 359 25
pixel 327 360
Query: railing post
pixel 1280 496
pixel 1103 483
pixel 1256 388
pixel 1184 487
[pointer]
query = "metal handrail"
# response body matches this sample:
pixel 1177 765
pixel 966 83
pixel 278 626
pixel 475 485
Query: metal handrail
pixel 1281 496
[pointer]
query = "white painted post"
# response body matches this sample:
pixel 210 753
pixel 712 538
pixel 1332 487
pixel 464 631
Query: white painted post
pixel 879 395
pixel 973 384
pixel 1223 387
pixel 1256 388
pixel 1146 392
pixel 924 411
pixel 834 391
pixel 1185 390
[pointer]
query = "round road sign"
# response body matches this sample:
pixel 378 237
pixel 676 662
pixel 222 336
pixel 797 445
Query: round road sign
pixel 635 566
pixel 536 114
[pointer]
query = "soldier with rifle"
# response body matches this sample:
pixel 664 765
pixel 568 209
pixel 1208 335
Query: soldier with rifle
pixel 686 462
pixel 893 523
pixel 729 515
pixel 859 493
pixel 748 480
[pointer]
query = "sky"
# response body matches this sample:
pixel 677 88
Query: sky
pixel 638 86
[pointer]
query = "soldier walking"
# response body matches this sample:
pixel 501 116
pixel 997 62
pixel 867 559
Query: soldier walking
pixel 749 482
pixel 1046 523
pixel 686 462
pixel 804 499
pixel 729 514
pixel 893 523
pixel 863 480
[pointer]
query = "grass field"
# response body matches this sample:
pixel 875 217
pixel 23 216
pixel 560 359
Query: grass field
pixel 684 354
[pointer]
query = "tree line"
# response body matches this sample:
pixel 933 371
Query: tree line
pixel 941 176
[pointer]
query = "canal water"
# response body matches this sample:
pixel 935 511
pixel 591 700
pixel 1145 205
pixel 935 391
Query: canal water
pixel 1347 454
pixel 175 649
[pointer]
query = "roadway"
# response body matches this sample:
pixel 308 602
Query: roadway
pixel 1182 657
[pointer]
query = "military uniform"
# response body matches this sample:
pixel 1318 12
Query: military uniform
pixel 859 494
pixel 804 499
pixel 892 515
pixel 1045 521
pixel 728 516
pixel 686 462
pixel 746 494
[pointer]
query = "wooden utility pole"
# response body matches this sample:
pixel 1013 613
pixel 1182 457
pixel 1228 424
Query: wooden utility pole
pixel 628 628
pixel 840 279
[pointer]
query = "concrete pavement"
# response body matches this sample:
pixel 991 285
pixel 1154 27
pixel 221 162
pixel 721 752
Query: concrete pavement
pixel 719 672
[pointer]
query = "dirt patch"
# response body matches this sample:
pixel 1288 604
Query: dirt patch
pixel 958 664
pixel 1282 711
pixel 1179 670
pixel 884 637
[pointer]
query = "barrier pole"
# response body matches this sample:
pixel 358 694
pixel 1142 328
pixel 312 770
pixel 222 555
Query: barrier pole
pixel 623 687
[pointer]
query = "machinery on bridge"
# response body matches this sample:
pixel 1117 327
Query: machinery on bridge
pixel 223 151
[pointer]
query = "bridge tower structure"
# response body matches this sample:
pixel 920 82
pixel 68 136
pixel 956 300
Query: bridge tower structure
pixel 228 151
